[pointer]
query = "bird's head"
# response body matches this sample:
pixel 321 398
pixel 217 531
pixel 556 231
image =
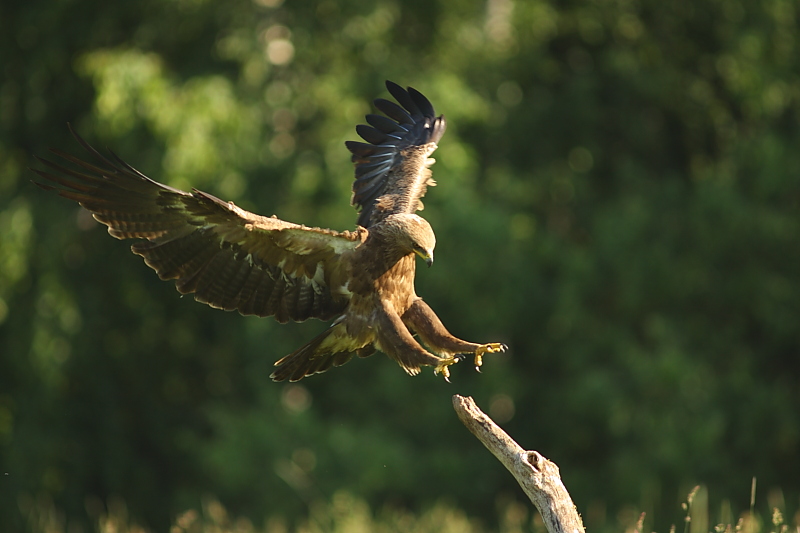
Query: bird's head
pixel 412 234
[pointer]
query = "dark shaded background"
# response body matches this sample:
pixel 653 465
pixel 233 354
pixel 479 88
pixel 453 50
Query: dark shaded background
pixel 618 201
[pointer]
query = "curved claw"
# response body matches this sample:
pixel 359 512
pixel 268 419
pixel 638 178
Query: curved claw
pixel 442 367
pixel 492 347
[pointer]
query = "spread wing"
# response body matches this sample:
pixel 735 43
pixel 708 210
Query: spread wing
pixel 228 257
pixel 392 167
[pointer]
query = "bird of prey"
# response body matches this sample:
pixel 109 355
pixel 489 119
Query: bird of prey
pixel 232 259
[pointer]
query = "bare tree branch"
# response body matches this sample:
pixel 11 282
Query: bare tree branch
pixel 538 476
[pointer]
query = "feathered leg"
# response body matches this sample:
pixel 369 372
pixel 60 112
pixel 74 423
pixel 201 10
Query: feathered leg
pixel 396 341
pixel 421 318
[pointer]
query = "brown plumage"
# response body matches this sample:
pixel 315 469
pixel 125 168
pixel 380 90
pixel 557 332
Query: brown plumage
pixel 236 260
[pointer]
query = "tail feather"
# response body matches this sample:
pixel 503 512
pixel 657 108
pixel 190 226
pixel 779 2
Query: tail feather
pixel 311 358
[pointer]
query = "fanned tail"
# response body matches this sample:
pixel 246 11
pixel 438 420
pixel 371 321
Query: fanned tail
pixel 311 358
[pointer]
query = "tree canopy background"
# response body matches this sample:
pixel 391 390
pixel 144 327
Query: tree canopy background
pixel 618 200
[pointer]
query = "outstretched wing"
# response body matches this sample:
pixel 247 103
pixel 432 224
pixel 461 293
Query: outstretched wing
pixel 228 257
pixel 392 167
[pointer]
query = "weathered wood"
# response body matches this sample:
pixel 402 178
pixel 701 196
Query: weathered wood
pixel 538 476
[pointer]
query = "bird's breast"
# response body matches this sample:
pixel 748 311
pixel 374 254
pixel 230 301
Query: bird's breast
pixel 396 286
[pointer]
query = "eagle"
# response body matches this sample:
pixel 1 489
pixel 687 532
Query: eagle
pixel 231 259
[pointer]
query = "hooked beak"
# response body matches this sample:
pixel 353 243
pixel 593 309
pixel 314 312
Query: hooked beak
pixel 426 256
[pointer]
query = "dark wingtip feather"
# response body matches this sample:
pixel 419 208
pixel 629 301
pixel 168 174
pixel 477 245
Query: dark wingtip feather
pixel 425 106
pixel 403 98
pixel 394 111
pixel 392 87
pixel 42 186
pixel 370 134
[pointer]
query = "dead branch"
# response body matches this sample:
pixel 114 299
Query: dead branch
pixel 538 476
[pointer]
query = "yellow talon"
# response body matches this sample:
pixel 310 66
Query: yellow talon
pixel 442 367
pixel 445 362
pixel 492 347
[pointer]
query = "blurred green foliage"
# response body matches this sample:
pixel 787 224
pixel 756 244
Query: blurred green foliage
pixel 344 513
pixel 618 200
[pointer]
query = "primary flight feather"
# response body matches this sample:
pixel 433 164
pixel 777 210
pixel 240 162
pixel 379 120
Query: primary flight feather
pixel 232 259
